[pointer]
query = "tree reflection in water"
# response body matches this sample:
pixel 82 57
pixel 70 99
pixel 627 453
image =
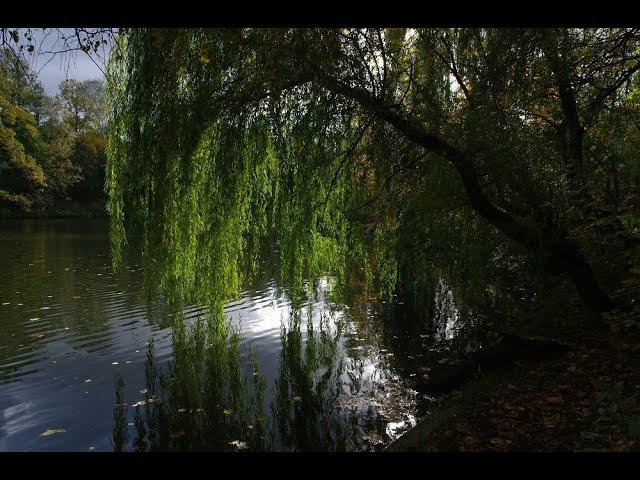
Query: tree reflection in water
pixel 341 379
pixel 206 399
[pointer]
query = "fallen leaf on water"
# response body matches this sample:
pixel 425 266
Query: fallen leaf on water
pixel 34 319
pixel 88 380
pixel 226 411
pixel 114 363
pixel 176 435
pixel 66 269
pixel 239 445
pixel 139 403
pixel 372 438
pixel 181 410
pixel 53 431
pixel 37 335
pixel 443 361
pixel 143 391
pixel 45 308
pixel 297 399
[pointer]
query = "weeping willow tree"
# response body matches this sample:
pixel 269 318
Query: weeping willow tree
pixel 235 151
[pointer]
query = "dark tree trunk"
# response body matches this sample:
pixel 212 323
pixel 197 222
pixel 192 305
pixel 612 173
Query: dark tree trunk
pixel 561 254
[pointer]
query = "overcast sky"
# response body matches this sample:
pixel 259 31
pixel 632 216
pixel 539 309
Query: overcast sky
pixel 54 69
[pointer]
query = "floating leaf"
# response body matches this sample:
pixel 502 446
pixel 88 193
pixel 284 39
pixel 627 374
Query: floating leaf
pixel 177 435
pixel 239 445
pixel 53 431
pixel 227 411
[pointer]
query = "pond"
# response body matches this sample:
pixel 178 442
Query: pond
pixel 88 363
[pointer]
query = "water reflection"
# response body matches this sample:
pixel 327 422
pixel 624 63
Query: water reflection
pixel 203 400
pixel 332 369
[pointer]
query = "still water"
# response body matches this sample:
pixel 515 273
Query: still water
pixel 87 363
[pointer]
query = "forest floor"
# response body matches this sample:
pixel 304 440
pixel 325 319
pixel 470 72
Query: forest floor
pixel 586 399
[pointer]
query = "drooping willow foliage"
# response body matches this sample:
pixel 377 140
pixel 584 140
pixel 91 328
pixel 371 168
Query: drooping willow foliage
pixel 405 153
pixel 206 183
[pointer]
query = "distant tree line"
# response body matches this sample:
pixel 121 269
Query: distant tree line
pixel 52 149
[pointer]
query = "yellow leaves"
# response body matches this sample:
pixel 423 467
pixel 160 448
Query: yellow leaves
pixel 49 432
pixel 35 336
pixel 227 411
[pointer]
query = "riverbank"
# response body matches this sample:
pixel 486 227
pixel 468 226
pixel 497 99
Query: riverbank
pixel 583 400
pixel 65 209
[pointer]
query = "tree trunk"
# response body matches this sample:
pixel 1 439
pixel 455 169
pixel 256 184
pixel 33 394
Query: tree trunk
pixel 562 255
